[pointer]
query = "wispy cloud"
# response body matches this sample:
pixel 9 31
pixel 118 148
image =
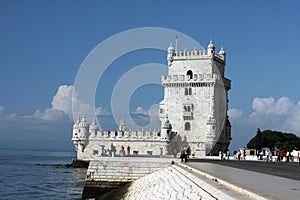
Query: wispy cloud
pixel 235 113
pixel 282 114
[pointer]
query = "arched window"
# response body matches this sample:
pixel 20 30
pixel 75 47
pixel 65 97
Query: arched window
pixel 161 111
pixel 189 109
pixel 187 126
pixel 190 91
pixel 189 74
pixel 186 91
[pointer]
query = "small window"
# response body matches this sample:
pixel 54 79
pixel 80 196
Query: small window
pixel 188 91
pixel 189 74
pixel 187 126
pixel 95 152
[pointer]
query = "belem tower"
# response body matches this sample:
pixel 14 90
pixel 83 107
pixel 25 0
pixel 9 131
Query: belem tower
pixel 193 112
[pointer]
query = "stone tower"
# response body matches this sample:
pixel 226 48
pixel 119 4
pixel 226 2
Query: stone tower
pixel 196 100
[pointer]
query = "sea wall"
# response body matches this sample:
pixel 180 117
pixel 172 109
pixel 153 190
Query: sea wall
pixel 107 173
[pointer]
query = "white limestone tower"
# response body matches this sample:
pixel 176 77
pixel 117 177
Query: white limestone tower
pixel 196 99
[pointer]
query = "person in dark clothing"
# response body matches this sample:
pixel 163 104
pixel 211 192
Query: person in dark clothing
pixel 184 155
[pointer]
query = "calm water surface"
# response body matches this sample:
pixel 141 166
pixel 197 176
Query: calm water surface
pixel 39 175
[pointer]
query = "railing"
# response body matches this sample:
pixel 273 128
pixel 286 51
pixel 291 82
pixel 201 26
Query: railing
pixel 195 78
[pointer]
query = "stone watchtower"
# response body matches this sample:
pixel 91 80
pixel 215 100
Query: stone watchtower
pixel 196 100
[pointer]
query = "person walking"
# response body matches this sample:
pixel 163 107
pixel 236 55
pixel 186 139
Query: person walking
pixel 175 152
pixel 270 155
pixel 128 150
pixel 228 155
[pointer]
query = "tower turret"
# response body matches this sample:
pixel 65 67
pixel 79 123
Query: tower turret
pixel 166 130
pixel 75 137
pixel 171 51
pixel 122 126
pixel 94 128
pixel 222 53
pixel 83 133
pixel 211 48
pixel 211 125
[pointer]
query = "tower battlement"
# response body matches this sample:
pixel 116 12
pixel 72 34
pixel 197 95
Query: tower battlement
pixel 201 79
pixel 122 135
pixel 196 54
pixel 187 78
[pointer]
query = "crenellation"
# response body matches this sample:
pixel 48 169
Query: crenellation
pixel 189 54
pixel 197 55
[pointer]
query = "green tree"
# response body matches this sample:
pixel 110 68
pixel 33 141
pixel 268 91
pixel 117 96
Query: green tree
pixel 274 139
pixel 256 142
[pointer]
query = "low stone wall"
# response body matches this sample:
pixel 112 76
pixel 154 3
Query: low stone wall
pixel 107 173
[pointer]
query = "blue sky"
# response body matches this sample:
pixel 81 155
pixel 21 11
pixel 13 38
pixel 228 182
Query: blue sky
pixel 43 44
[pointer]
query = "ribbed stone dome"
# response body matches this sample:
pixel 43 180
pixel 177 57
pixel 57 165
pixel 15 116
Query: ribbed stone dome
pixel 83 123
pixel 211 45
pixel 94 125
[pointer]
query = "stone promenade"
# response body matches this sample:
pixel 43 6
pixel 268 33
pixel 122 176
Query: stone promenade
pixel 174 182
pixel 206 179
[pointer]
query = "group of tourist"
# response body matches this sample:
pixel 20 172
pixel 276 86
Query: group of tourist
pixel 288 156
pixel 224 155
pixel 239 154
pixel 184 153
pixel 281 156
pixel 112 151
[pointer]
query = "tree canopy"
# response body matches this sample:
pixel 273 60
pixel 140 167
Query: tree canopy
pixel 274 140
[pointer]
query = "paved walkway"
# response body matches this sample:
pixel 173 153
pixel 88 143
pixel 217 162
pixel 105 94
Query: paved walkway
pixel 176 182
pixel 172 183
pixel 194 180
pixel 245 181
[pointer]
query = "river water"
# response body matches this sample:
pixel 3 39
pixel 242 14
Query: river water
pixel 28 174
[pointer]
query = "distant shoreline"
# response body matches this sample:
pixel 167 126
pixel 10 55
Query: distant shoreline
pixel 44 150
